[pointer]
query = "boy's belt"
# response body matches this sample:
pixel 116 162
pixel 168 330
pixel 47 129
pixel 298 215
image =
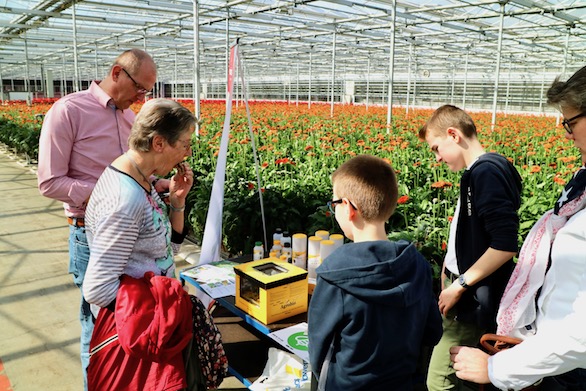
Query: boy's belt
pixel 76 221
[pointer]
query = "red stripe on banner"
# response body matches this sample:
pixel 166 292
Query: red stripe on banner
pixel 231 69
pixel 4 382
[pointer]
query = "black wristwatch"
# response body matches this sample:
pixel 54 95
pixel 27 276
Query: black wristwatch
pixel 462 282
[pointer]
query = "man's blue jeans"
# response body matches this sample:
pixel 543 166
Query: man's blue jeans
pixel 79 255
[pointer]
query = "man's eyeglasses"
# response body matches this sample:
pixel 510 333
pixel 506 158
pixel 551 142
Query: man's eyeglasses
pixel 566 123
pixel 139 89
pixel 332 205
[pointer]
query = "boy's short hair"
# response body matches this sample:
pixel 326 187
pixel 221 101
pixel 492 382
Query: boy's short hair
pixel 370 183
pixel 448 116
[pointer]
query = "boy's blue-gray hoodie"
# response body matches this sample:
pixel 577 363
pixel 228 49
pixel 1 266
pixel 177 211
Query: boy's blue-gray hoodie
pixel 375 301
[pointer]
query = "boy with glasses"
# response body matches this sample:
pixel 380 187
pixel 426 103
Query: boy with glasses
pixel 373 308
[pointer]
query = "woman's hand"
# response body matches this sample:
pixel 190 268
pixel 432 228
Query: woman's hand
pixel 470 364
pixel 180 185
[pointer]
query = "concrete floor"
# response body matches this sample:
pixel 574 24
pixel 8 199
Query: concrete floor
pixel 39 304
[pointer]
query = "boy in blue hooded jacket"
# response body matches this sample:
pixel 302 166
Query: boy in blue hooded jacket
pixel 373 308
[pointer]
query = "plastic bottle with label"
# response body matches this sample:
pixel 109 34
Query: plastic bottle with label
pixel 277 248
pixel 300 250
pixel 258 251
pixel 278 235
pixel 322 233
pixel 313 260
pixel 338 240
pixel 286 238
pixel 286 251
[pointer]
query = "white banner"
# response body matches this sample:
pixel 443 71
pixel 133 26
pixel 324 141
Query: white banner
pixel 212 237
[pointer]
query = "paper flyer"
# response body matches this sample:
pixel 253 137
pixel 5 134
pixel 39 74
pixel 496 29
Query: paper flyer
pixel 294 339
pixel 217 279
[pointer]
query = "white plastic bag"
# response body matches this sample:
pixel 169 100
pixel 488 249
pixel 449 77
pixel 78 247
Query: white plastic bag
pixel 283 371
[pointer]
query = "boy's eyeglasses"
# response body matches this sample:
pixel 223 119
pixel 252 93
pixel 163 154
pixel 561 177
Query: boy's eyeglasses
pixel 139 89
pixel 566 123
pixel 332 205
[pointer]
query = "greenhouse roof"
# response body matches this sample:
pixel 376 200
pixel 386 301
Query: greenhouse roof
pixel 281 38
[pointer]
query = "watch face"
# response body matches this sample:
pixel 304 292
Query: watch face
pixel 462 281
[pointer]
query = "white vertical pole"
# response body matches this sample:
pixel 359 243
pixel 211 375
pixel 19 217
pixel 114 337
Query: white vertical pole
pixel 391 67
pixel 409 79
pixel 309 88
pixel 174 85
pixel 227 49
pixel 63 82
pixel 333 73
pixel 297 88
pixel 565 66
pixel 508 91
pixel 196 76
pixel 453 84
pixel 75 68
pixel 465 82
pixel 26 79
pixel 541 92
pixel 498 66
pixel 96 75
pixel 367 81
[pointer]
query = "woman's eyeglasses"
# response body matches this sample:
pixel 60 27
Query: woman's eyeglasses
pixel 332 205
pixel 566 123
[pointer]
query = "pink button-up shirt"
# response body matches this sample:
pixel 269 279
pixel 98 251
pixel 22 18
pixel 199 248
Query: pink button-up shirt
pixel 82 134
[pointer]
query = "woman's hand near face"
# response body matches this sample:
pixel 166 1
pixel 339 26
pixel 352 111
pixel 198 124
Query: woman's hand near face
pixel 180 185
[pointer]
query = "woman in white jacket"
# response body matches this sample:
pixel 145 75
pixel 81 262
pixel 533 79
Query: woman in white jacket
pixel 545 300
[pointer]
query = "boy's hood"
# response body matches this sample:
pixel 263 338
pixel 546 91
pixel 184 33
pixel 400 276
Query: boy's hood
pixel 387 273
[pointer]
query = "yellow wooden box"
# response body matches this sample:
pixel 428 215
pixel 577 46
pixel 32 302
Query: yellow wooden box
pixel 271 290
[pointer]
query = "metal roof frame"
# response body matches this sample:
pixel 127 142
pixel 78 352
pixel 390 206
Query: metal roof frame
pixel 79 39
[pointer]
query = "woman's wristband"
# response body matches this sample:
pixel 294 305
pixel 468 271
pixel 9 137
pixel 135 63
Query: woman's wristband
pixel 174 209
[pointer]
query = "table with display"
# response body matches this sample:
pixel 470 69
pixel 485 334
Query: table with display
pixel 246 339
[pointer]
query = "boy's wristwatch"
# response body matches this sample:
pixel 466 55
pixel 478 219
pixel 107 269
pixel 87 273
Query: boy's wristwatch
pixel 462 282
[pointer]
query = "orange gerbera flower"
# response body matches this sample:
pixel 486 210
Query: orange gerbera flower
pixel 441 184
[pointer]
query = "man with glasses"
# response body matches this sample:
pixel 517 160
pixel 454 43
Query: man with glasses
pixel 82 134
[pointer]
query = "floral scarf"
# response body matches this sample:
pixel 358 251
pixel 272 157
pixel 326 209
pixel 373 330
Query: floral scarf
pixel 517 311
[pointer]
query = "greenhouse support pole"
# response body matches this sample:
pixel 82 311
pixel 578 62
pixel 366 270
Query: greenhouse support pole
pixel 566 47
pixel 465 88
pixel 75 68
pixel 297 88
pixel 96 76
pixel 26 79
pixel 236 85
pixel 414 85
pixel 391 68
pixel 333 73
pixel 309 88
pixel 227 49
pixel 409 79
pixel 367 80
pixel 1 86
pixel 174 85
pixel 43 84
pixel 498 66
pixel 63 82
pixel 541 92
pixel 508 90
pixel 453 84
pixel 196 78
